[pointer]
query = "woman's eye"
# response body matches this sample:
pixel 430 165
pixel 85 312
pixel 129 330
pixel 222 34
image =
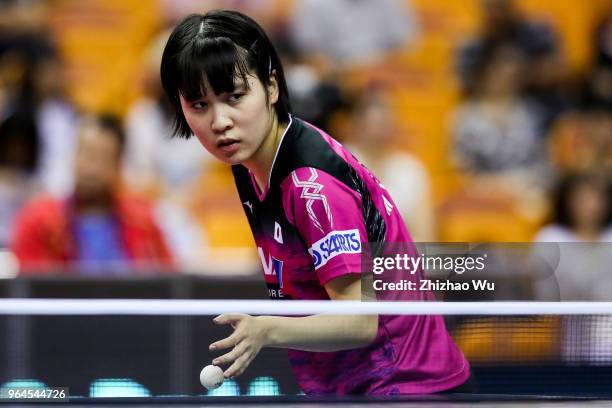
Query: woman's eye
pixel 236 97
pixel 198 105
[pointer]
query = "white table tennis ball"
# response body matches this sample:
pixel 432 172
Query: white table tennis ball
pixel 211 377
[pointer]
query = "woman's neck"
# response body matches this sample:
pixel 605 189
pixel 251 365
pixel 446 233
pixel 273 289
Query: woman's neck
pixel 260 164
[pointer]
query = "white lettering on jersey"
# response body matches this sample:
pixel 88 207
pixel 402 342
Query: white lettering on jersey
pixel 334 244
pixel 311 191
pixel 268 265
pixel 278 233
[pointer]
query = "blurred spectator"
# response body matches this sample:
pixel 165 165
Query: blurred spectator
pixel 600 83
pixel 162 167
pixel 499 150
pixel 582 214
pixel 20 18
pixel 23 26
pixel 19 136
pixel 545 62
pixel 314 97
pixel 582 211
pixel 154 162
pixel 497 131
pixel 97 229
pixel 574 244
pixel 24 40
pixel 56 121
pixel 352 32
pixel 12 68
pixel 402 174
pixel 33 80
pixel 18 162
pixel 581 140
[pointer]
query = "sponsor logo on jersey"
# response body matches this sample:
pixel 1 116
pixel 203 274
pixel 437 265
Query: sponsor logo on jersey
pixel 334 244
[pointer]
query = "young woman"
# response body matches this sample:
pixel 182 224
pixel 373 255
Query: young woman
pixel 312 207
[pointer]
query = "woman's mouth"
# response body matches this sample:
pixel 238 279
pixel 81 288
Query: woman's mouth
pixel 228 146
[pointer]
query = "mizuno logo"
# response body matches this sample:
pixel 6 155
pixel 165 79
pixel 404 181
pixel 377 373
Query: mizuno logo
pixel 248 204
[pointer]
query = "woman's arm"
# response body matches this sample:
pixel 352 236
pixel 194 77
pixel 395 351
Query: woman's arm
pixel 310 333
pixel 324 332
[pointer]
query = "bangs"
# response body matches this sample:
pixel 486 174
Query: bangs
pixel 211 63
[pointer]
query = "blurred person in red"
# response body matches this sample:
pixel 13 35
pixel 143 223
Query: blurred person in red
pixel 98 229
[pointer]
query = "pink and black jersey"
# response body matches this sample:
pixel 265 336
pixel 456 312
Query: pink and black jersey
pixel 311 225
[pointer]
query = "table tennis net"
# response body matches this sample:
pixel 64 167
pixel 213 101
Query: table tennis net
pixel 151 355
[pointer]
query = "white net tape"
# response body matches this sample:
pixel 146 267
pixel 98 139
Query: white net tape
pixel 291 308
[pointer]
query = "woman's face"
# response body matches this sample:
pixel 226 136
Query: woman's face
pixel 588 205
pixel 232 126
pixel 375 123
pixel 502 77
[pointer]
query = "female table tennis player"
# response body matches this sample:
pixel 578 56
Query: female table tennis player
pixel 311 207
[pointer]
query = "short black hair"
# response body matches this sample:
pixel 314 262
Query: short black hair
pixel 214 49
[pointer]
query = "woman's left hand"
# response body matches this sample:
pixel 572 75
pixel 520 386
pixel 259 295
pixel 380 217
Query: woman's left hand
pixel 247 339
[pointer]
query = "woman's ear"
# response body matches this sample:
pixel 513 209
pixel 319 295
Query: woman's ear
pixel 273 88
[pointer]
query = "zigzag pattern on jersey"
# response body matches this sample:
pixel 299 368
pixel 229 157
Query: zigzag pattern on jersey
pixel 311 191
